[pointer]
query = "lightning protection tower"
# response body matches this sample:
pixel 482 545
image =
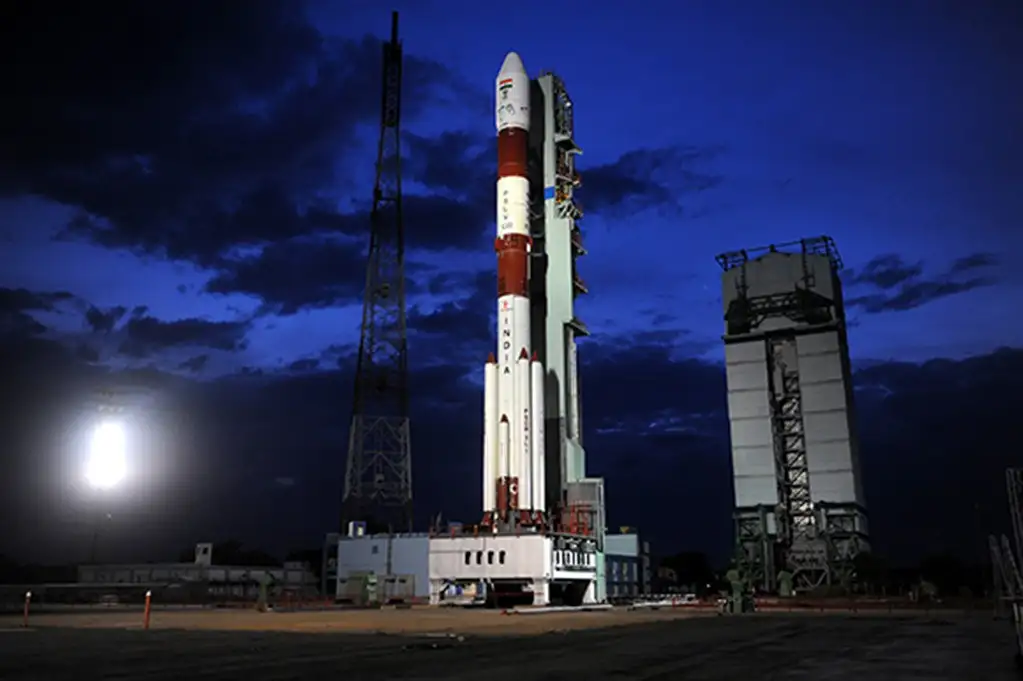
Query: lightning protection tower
pixel 378 478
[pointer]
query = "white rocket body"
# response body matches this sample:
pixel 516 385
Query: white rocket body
pixel 514 471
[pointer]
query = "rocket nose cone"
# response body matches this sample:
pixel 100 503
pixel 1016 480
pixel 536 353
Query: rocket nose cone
pixel 512 64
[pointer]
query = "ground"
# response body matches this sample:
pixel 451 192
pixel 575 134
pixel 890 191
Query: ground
pixel 455 644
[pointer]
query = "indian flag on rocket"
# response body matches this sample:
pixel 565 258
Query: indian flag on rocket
pixel 504 84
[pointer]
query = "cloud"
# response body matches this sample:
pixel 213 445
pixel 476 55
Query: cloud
pixel 972 262
pixel 146 336
pixel 23 300
pixel 294 275
pixel 195 364
pixel 300 365
pixel 459 330
pixel 648 178
pixel 104 320
pixel 17 306
pixel 903 286
pixel 213 134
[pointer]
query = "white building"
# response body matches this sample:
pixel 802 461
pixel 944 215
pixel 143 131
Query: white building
pixel 221 580
pixel 379 568
pixel 539 569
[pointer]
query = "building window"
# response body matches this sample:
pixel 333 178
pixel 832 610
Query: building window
pixel 375 550
pixel 468 557
pixel 490 557
pixel 479 558
pixel 500 557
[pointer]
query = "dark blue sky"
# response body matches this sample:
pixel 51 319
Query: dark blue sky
pixel 183 196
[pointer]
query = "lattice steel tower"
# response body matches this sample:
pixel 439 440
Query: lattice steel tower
pixel 378 478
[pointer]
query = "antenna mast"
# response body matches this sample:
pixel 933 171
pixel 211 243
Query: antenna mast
pixel 378 478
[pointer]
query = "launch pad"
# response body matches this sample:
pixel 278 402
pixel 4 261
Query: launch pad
pixel 505 569
pixel 541 535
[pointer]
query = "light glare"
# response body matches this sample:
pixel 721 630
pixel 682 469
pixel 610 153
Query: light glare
pixel 106 465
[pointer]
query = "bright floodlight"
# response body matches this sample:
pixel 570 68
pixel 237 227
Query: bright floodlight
pixel 106 466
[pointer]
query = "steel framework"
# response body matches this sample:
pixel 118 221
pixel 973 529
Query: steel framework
pixel 378 477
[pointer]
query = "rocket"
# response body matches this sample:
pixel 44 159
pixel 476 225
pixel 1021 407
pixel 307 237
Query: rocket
pixel 514 473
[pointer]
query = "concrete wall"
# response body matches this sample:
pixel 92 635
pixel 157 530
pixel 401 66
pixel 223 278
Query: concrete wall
pixel 499 557
pixel 625 545
pixel 832 454
pixel 749 420
pixel 403 554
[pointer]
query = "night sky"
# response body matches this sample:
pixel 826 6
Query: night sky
pixel 184 191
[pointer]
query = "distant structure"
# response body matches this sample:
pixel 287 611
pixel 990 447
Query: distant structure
pixel 200 581
pixel 378 479
pixel 800 517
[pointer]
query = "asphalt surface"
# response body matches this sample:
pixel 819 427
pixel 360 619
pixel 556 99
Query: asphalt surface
pixel 819 647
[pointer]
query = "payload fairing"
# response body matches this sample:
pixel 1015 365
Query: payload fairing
pixel 514 472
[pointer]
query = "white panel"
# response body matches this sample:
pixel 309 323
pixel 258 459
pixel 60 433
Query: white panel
pixel 749 414
pixel 823 397
pixel 512 206
pixel 773 273
pixel 746 376
pixel 821 343
pixel 740 353
pixel 539 465
pixel 752 491
pixel 830 457
pixel 621 545
pixel 832 475
pixel 525 557
pixel 825 419
pixel 819 368
pixel 825 426
pixel 411 556
pixel 749 404
pixel 751 433
pixel 833 487
pixel 753 461
pixel 363 554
